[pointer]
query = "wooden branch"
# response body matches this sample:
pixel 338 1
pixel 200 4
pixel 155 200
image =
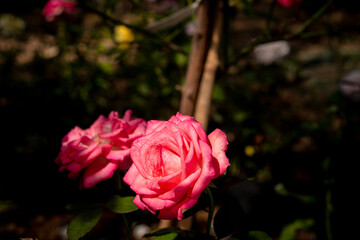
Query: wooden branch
pixel 175 18
pixel 203 103
pixel 200 45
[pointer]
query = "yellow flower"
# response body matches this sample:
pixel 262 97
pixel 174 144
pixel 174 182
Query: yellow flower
pixel 123 36
pixel 249 150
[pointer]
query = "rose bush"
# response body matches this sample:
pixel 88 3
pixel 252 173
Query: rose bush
pixel 100 149
pixel 173 163
pixel 54 8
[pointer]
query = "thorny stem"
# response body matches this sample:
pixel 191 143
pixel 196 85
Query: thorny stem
pixel 113 20
pixel 211 210
pixel 312 19
pixel 143 31
pixel 245 51
pixel 266 37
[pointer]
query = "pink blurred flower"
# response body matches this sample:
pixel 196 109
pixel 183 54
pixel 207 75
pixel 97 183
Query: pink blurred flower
pixel 173 163
pixel 54 8
pixel 101 149
pixel 288 3
pixel 166 5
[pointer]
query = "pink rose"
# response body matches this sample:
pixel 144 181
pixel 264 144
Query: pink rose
pixel 101 149
pixel 173 163
pixel 54 8
pixel 288 3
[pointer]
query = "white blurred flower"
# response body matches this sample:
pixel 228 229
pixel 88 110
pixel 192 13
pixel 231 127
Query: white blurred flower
pixel 271 52
pixel 140 230
pixel 350 85
pixel 190 28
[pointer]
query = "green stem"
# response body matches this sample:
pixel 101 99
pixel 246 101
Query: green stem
pixel 211 210
pixel 328 215
pixel 312 19
pixel 128 230
pixel 269 18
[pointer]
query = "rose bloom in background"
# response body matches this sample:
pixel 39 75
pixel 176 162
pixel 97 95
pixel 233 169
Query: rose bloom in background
pixel 101 149
pixel 173 163
pixel 288 3
pixel 54 8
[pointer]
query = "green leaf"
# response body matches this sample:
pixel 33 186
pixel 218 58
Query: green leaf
pixel 83 223
pixel 122 204
pixel 290 230
pixel 169 236
pixel 258 235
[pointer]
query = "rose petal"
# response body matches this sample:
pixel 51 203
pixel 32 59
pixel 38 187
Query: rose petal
pixel 207 171
pixel 97 127
pixel 138 202
pixel 186 185
pixel 118 155
pixel 190 136
pixel 74 167
pixel 168 182
pixel 137 182
pixel 154 125
pixel 219 143
pixel 82 154
pixel 176 210
pixel 113 134
pixel 74 134
pixel 100 170
pixel 196 125
pixel 191 162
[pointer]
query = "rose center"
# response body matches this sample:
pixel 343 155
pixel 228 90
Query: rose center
pixel 163 162
pixel 102 141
